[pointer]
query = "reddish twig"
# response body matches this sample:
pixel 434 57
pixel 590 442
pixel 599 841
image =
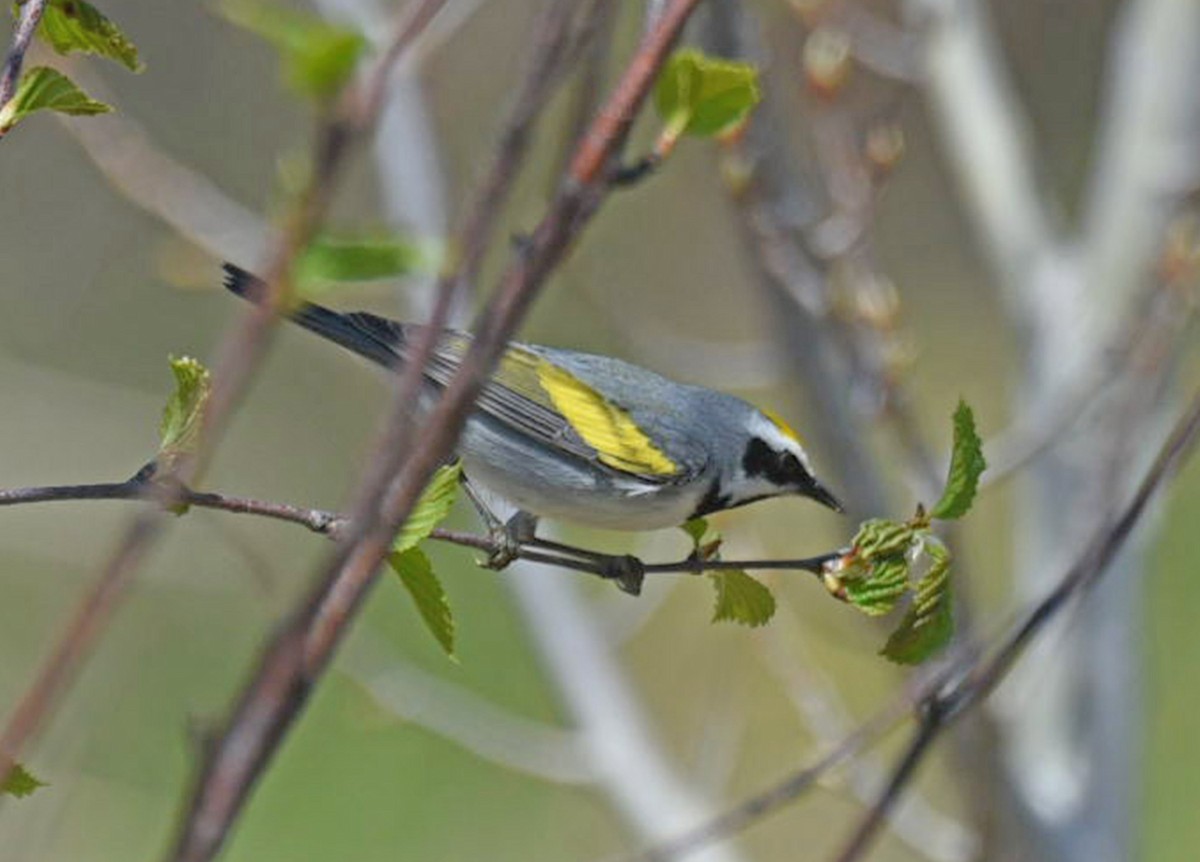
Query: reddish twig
pixel 237 360
pixel 297 656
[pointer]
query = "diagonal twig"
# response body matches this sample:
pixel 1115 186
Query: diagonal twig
pixel 295 658
pixel 239 357
pixel 960 683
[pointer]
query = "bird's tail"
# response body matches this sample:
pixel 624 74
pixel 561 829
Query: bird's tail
pixel 367 335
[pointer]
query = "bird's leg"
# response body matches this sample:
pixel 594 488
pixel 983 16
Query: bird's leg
pixel 520 531
pixel 507 538
pixel 626 569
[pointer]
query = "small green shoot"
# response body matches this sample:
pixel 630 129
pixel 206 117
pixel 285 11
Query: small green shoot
pixel 317 58
pixel 183 415
pixel 703 96
pixel 739 597
pixel 45 89
pixel 19 782
pixel 330 260
pixel 966 465
pixel 885 557
pixel 73 26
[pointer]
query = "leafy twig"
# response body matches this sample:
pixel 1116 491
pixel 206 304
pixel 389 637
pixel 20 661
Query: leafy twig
pixel 331 524
pixel 295 658
pixel 28 19
pixel 238 358
pixel 956 687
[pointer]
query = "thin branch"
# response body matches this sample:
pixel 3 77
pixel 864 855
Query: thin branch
pixel 295 658
pixel 618 738
pixel 917 822
pixel 153 180
pixel 28 18
pixel 459 715
pixel 988 144
pixel 332 524
pixel 237 360
pixel 966 678
pixel 906 767
pixel 554 42
pixel 780 794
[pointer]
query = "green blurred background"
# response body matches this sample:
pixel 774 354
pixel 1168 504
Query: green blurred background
pixel 96 294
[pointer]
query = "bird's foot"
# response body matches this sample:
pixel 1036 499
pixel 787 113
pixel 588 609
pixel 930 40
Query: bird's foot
pixel 508 538
pixel 626 570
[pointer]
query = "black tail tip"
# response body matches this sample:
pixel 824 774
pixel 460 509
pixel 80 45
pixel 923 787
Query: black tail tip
pixel 241 282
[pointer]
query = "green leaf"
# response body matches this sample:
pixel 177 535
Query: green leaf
pixel 44 89
pixel 317 57
pixel 878 592
pixel 416 573
pixel 701 95
pixel 75 26
pixel 330 260
pixel 929 623
pixel 19 782
pixel 695 528
pixel 432 508
pixel 966 465
pixel 880 537
pixel 741 599
pixel 179 430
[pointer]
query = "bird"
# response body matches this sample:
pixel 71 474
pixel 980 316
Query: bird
pixel 587 438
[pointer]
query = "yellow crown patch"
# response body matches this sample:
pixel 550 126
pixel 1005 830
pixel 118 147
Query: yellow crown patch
pixel 782 425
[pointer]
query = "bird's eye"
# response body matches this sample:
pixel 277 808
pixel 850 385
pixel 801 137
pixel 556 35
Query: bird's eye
pixel 791 465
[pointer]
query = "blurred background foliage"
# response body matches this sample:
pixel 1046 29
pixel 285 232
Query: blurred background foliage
pixel 96 294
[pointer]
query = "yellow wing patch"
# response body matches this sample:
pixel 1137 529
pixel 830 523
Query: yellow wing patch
pixel 605 427
pixel 782 425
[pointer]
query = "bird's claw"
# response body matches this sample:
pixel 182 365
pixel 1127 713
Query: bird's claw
pixel 508 538
pixel 627 570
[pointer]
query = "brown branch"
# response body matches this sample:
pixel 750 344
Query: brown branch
pixel 906 767
pixel 331 524
pixel 294 659
pixel 29 17
pixel 554 42
pixel 960 683
pixel 237 360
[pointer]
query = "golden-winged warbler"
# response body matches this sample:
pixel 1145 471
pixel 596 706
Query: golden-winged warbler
pixel 590 439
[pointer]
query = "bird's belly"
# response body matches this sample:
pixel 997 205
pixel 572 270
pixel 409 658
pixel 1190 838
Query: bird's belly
pixel 560 487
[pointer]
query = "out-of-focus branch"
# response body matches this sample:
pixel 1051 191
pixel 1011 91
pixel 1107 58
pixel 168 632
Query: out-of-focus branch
pixel 906 768
pixel 915 821
pixel 297 656
pixel 556 39
pixel 457 714
pixel 1071 728
pixel 177 194
pixel 628 761
pixel 988 145
pixel 29 15
pixel 966 678
pixel 237 359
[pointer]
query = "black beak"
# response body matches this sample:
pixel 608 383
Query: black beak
pixel 823 495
